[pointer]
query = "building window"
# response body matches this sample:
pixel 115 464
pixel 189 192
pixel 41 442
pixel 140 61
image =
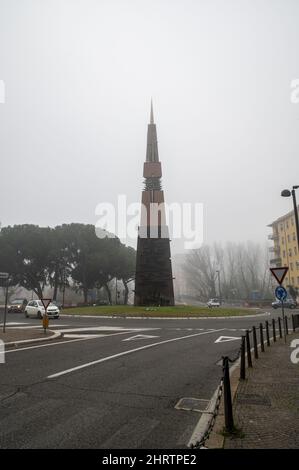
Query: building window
pixel 295 250
pixel 292 221
pixel 282 240
pixel 294 236
pixel 298 280
pixel 293 281
pixel 281 227
pixel 289 239
pixel 290 252
pixel 292 266
pixel 287 224
pixel 284 253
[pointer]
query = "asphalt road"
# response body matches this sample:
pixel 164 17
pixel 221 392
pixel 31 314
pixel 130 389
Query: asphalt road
pixel 112 383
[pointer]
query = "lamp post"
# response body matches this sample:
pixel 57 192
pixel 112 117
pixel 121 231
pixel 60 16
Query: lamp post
pixel 219 289
pixel 288 193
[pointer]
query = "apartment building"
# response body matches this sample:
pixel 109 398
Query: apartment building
pixel 285 247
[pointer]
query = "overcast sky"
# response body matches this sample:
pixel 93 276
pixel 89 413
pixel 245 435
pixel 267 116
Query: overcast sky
pixel 79 76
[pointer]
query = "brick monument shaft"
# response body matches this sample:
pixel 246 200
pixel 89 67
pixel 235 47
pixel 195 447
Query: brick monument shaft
pixel 153 278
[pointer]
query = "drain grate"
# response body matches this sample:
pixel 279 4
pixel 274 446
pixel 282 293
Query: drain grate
pixel 193 404
pixel 254 399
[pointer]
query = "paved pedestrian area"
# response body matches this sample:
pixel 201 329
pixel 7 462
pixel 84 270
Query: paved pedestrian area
pixel 266 406
pixel 14 334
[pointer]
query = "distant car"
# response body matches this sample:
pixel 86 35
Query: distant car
pixel 35 309
pixel 288 303
pixel 213 303
pixel 57 303
pixel 17 305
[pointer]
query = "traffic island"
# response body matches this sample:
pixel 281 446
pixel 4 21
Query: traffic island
pixel 22 336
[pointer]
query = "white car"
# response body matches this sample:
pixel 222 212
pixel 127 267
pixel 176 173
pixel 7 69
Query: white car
pixel 35 309
pixel 213 303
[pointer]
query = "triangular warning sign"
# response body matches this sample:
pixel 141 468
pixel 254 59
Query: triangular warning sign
pixel 46 303
pixel 279 273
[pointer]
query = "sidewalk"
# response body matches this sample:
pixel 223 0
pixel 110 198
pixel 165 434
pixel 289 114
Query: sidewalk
pixel 266 405
pixel 21 334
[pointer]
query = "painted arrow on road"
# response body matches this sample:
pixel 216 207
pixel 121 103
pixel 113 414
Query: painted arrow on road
pixel 223 339
pixel 136 337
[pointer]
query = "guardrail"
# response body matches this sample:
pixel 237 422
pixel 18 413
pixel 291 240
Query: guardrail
pixel 224 387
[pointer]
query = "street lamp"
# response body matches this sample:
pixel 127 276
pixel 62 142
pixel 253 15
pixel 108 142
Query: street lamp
pixel 288 193
pixel 219 289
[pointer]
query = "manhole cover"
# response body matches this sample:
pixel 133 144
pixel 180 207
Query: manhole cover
pixel 193 404
pixel 254 399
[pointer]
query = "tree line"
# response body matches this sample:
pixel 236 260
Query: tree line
pixel 243 269
pixel 36 257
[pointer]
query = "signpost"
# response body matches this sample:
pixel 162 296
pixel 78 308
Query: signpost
pixel 45 303
pixel 280 292
pixel 5 276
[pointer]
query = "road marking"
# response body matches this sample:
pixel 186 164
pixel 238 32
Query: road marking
pixel 136 337
pixel 104 328
pixel 224 339
pixel 10 323
pixel 124 353
pixel 82 336
pixel 36 327
pixel 42 345
pixel 65 342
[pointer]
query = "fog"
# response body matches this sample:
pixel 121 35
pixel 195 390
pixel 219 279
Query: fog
pixel 79 76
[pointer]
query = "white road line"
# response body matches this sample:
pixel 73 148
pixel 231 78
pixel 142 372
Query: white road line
pixel 43 345
pixel 65 342
pixel 35 327
pixel 124 353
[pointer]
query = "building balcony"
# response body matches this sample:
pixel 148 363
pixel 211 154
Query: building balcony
pixel 274 249
pixel 273 236
pixel 275 261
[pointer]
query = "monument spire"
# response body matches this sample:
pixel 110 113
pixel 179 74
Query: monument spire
pixel 152 113
pixel 153 279
pixel 152 154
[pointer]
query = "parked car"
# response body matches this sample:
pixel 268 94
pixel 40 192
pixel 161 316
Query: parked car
pixel 35 308
pixel 213 303
pixel 17 305
pixel 288 303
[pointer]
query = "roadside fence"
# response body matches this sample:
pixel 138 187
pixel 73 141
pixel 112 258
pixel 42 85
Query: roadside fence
pixel 279 329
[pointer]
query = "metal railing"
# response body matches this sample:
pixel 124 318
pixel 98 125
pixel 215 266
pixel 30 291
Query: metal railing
pixel 224 387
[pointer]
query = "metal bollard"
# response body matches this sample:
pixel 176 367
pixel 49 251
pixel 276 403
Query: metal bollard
pixel 249 360
pixel 293 323
pixel 242 362
pixel 273 329
pixel 262 338
pixel 279 327
pixel 286 325
pixel 256 355
pixel 228 408
pixel 267 333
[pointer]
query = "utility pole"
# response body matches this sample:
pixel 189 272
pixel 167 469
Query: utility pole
pixel 219 286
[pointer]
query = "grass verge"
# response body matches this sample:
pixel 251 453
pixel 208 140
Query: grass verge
pixel 177 311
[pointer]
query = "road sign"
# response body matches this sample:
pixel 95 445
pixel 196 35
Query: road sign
pixel 280 293
pixel 279 273
pixel 46 303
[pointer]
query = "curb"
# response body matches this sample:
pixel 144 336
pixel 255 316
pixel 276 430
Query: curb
pixel 56 335
pixel 71 315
